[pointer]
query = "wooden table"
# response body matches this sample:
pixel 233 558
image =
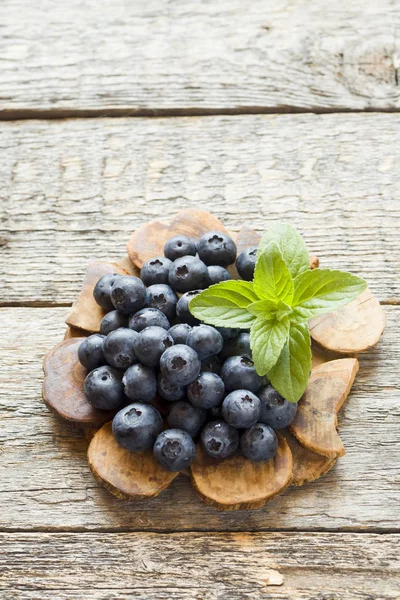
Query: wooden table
pixel 258 110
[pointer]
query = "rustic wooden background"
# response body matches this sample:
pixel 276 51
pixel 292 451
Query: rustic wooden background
pixel 112 113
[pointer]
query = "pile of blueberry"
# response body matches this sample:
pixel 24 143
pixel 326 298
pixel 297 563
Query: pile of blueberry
pixel 150 346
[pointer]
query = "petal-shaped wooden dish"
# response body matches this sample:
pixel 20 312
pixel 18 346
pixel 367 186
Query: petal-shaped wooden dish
pixel 306 451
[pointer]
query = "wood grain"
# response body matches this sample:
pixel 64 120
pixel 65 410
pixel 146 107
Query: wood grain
pixel 226 55
pixel 73 191
pixel 196 566
pixel 46 481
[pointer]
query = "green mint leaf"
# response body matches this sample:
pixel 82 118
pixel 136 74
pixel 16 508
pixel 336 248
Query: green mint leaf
pixel 267 339
pixel 263 308
pixel 225 304
pixel 272 278
pixel 290 374
pixel 322 290
pixel 291 244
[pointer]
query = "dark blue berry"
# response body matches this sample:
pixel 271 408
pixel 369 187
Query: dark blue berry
pixel 103 388
pixel 259 442
pixel 219 439
pixel 205 340
pixel 163 297
pixel 170 391
pixel 119 348
pixel 212 364
pixel 140 383
pixel 238 372
pixel 217 274
pixel 102 291
pixel 155 270
pixel 216 248
pixel 246 263
pixel 241 409
pixel 178 246
pixel 275 410
pixel 180 332
pixel 184 415
pixel 90 352
pixel 148 317
pixel 150 344
pixel 180 364
pixel 188 273
pixel 137 426
pixel 206 391
pixel 174 450
pixel 182 308
pixel 112 321
pixel 228 333
pixel 237 346
pixel 128 294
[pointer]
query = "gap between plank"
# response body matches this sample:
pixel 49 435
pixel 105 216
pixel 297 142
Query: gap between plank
pixel 55 304
pixel 114 530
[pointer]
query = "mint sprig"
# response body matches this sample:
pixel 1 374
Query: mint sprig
pixel 277 305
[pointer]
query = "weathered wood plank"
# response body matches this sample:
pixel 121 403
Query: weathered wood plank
pixel 74 190
pixel 231 54
pixel 46 482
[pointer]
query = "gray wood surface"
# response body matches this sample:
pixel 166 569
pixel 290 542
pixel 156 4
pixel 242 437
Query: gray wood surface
pixel 74 190
pixel 175 56
pixel 209 566
pixel 46 482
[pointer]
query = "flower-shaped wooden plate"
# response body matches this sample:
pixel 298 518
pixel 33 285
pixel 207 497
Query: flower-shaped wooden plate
pixel 306 451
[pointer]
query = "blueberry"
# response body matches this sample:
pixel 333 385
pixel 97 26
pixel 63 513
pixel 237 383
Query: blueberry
pixel 170 391
pixel 215 413
pixel 150 344
pixel 90 352
pixel 174 449
pixel 246 263
pixel 102 291
pixel 155 270
pixel 206 391
pixel 238 372
pixel 128 294
pixel 180 364
pixel 241 409
pixel 137 426
pixel 119 348
pixel 182 308
pixel 140 383
pixel 217 274
pixel 219 439
pixel 113 320
pixel 163 297
pixel 212 364
pixel 148 317
pixel 275 410
pixel 180 332
pixel 237 346
pixel 103 388
pixel 229 333
pixel 178 246
pixel 259 442
pixel 205 340
pixel 184 415
pixel 188 273
pixel 216 248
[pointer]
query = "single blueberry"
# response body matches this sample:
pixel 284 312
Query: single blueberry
pixel 239 372
pixel 174 450
pixel 219 439
pixel 148 317
pixel 90 352
pixel 182 308
pixel 102 291
pixel 228 333
pixel 206 391
pixel 113 320
pixel 259 442
pixel 128 294
pixel 180 364
pixel 184 415
pixel 241 409
pixel 188 273
pixel 178 246
pixel 119 348
pixel 246 263
pixel 155 270
pixel 212 364
pixel 275 410
pixel 205 340
pixel 237 346
pixel 217 274
pixel 216 248
pixel 140 383
pixel 163 297
pixel 103 388
pixel 150 344
pixel 137 426
pixel 170 391
pixel 179 332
